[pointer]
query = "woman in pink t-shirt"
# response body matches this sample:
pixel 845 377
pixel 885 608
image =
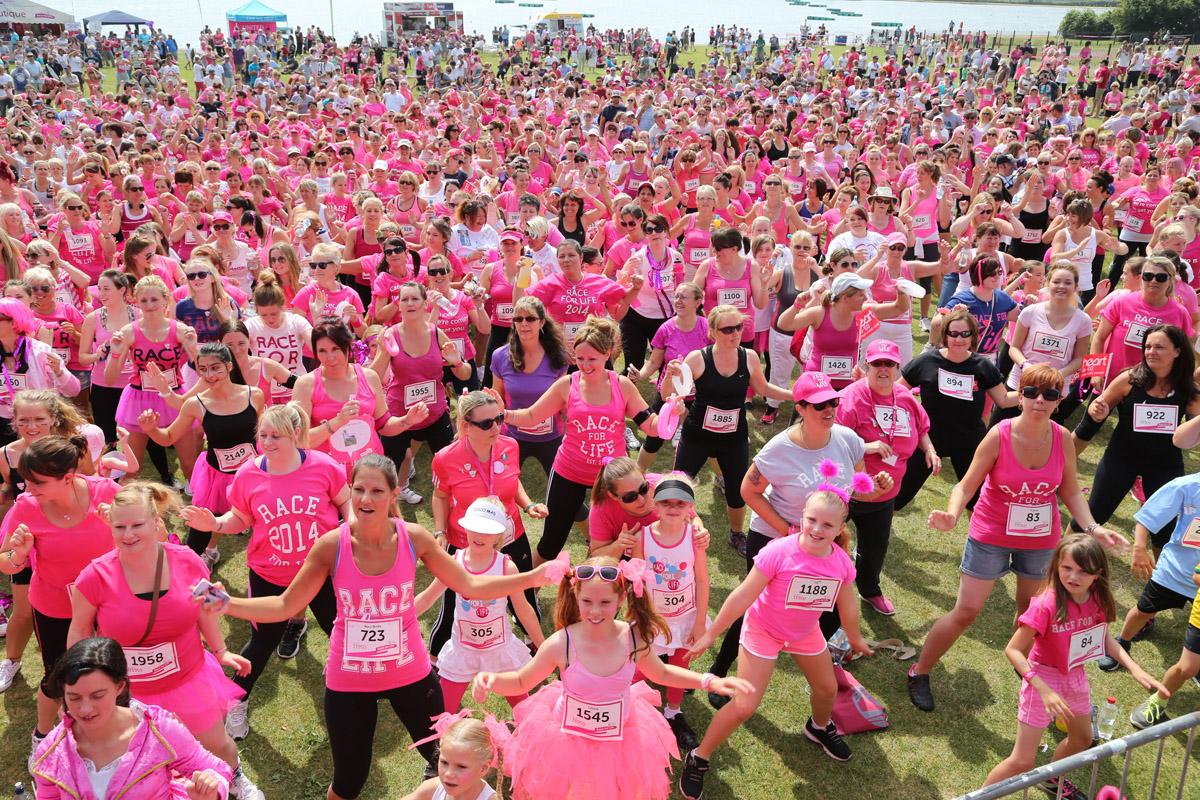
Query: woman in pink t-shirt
pixel 1064 628
pixel 1026 466
pixel 140 595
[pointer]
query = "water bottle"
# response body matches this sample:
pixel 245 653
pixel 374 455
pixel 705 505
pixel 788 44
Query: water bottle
pixel 839 646
pixel 1107 719
pixel 19 791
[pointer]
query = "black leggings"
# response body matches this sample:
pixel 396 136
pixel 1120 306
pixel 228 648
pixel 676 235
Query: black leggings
pixel 51 635
pixel 437 435
pixel 1115 475
pixel 733 457
pixel 460 386
pixel 496 339
pixel 960 452
pixel 873 531
pixel 350 718
pixel 266 636
pixel 564 497
pixel 544 452
pixel 636 333
pixel 518 550
pixel 104 401
pixel 1118 263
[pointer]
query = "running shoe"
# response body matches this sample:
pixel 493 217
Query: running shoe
pixel 1069 790
pixel 289 645
pixel 882 605
pixel 243 788
pixel 1148 714
pixel 1139 491
pixel 768 417
pixel 685 737
pixel 8 672
pixel 632 442
pixel 737 540
pixel 1109 664
pixel 1146 630
pixel 691 781
pixel 237 725
pixel 920 692
pixel 34 742
pixel 412 471
pixel 409 496
pixel 718 701
pixel 830 740
pixel 211 557
pixel 925 324
pixel 431 770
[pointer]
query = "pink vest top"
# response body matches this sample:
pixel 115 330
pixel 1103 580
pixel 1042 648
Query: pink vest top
pixel 416 379
pixel 376 642
pixel 167 354
pixel 593 433
pixel 833 352
pixel 736 293
pixel 357 437
pixel 1018 507
pixel 500 297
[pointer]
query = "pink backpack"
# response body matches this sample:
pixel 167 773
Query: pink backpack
pixel 855 710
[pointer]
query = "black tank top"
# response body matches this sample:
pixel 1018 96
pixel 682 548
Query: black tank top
pixel 785 297
pixel 718 412
pixel 1033 221
pixel 15 485
pixel 230 436
pixel 1142 445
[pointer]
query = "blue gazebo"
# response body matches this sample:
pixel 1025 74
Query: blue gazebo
pixel 254 17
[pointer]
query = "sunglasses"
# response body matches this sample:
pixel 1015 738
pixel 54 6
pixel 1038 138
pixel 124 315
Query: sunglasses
pixel 629 497
pixel 319 264
pixel 74 208
pixel 627 223
pixel 586 572
pixel 438 271
pixel 487 424
pixel 395 251
pixel 653 229
pixel 824 404
pixel 41 289
pixel 736 328
pixel 526 319
pixel 851 264
pixel 884 364
pixel 196 276
pixel 959 334
pixel 278 259
pixel 221 226
pixel 1161 277
pixel 1033 392
pixel 899 248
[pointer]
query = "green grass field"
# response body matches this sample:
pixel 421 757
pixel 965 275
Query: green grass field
pixel 921 756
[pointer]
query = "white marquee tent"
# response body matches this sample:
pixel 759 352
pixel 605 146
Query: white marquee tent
pixel 25 12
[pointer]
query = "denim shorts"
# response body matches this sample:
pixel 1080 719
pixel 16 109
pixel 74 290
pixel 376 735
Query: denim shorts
pixel 991 562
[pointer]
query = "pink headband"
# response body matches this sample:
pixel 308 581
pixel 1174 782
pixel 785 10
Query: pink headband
pixel 497 730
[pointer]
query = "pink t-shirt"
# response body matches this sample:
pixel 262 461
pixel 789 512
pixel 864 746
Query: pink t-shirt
pixel 288 511
pixel 172 653
pixel 800 587
pixel 60 554
pixel 1068 645
pixel 460 474
pixel 332 299
pixel 606 519
pixel 571 303
pixel 1130 317
pixel 900 421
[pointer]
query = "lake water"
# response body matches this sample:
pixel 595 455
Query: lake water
pixel 186 18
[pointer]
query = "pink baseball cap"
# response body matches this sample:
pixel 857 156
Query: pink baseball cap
pixel 895 237
pixel 883 350
pixel 222 216
pixel 814 387
pixel 512 235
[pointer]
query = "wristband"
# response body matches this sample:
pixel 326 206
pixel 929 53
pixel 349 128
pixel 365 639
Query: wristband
pixel 706 681
pixel 641 416
pixel 1091 527
pixel 526 508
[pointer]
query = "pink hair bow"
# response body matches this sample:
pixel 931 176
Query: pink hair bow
pixel 500 734
pixel 441 724
pixel 557 569
pixel 638 573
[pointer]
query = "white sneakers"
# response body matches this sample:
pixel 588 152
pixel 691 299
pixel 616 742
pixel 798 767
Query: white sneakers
pixel 243 788
pixel 8 671
pixel 211 557
pixel 409 496
pixel 237 725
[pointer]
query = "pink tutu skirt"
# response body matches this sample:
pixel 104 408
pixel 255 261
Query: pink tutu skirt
pixel 210 486
pixel 134 401
pixel 547 764
pixel 201 701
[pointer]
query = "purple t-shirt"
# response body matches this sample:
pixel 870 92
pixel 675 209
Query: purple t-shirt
pixel 523 389
pixel 676 344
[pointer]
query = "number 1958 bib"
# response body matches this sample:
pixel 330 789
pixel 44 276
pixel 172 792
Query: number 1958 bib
pixel 603 722
pixel 152 663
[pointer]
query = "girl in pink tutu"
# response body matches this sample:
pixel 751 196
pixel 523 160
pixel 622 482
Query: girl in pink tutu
pixel 139 594
pixel 591 735
pixel 481 638
pixel 795 579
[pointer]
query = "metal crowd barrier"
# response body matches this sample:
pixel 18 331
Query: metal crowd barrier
pixel 1021 784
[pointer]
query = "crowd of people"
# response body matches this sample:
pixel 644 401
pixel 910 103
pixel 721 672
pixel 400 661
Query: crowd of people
pixel 263 300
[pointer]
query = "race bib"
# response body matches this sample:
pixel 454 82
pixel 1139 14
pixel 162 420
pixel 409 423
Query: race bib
pixel 1030 520
pixel 422 392
pixel 674 604
pixel 1086 646
pixel 720 420
pixel 376 640
pixel 751 187
pixel 1154 418
pixel 152 663
pixel 541 429
pixel 1136 334
pixel 1191 535
pixel 63 353
pixel 230 458
pixel 691 184
pixel 1134 222
pixel 168 375
pixel 922 222
pixel 735 297
pixel 700 253
pixel 79 242
pixel 407 230
pixel 812 594
pixel 952 384
pixel 602 722
pixel 504 312
pixel 893 421
pixel 351 437
pixel 481 635
pixel 1048 344
pixel 838 367
pixel 1031 236
pixel 570 329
